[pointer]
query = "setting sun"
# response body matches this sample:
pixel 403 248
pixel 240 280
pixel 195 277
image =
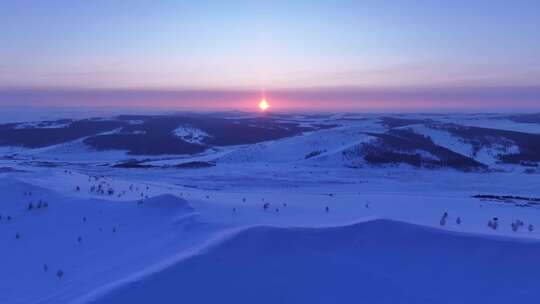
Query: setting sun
pixel 264 105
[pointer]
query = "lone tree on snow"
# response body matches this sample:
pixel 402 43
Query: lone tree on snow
pixel 60 274
pixel 443 219
pixel 493 224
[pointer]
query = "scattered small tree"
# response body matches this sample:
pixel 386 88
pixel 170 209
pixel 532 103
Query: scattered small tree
pixel 442 222
pixel 514 226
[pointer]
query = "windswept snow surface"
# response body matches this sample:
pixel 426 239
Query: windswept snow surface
pixel 300 219
pixel 379 261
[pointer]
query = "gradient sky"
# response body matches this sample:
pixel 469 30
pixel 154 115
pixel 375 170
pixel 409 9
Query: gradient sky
pixel 402 55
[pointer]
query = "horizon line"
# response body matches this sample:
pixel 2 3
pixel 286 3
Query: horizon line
pixel 406 99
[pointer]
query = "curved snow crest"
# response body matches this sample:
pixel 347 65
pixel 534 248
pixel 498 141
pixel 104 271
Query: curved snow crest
pixel 389 261
pixel 154 270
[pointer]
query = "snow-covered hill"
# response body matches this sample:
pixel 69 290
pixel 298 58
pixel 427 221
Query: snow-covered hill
pixel 318 208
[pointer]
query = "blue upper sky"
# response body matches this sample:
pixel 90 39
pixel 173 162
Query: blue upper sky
pixel 269 45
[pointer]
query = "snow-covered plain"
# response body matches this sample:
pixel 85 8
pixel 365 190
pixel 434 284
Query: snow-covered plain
pixel 301 219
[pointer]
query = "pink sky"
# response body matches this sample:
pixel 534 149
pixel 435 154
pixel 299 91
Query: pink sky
pixel 487 99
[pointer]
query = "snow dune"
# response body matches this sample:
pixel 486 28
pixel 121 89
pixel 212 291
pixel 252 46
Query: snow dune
pixel 380 261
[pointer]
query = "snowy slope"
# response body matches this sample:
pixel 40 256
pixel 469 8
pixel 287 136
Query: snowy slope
pixel 372 262
pixel 93 242
pixel 487 154
pixel 213 241
pixel 313 148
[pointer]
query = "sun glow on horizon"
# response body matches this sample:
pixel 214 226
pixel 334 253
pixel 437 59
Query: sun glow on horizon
pixel 264 105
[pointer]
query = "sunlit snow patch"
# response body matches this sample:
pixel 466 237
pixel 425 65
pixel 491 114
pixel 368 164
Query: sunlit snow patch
pixel 190 134
pixel 43 125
